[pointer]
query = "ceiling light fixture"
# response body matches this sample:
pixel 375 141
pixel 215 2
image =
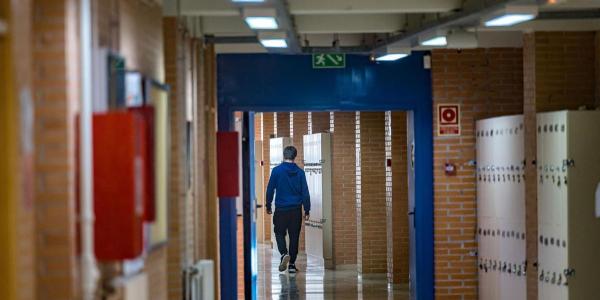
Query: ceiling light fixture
pixel 390 57
pixel 511 15
pixel 274 43
pixel 273 39
pixel 261 18
pixel 436 41
pixel 262 22
pixel 509 20
pixel 393 53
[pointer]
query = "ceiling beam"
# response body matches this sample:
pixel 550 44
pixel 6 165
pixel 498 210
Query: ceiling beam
pixel 468 16
pixel 286 22
pixel 201 8
pixel 225 26
pixel 374 23
pixel 309 7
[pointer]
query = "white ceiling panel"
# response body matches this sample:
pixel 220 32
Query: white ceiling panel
pixel 240 48
pixel 371 23
pixel 225 26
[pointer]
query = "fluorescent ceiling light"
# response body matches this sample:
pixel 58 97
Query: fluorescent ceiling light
pixel 436 41
pixel 391 57
pixel 273 39
pixel 262 22
pixel 509 20
pixel 274 43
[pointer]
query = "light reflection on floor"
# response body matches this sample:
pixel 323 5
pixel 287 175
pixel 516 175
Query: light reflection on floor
pixel 314 282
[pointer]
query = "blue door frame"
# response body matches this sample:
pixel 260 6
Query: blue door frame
pixel 282 83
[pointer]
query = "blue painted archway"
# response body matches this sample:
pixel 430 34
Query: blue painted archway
pixel 281 83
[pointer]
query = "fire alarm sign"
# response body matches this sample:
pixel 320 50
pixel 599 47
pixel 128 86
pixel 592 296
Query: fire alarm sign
pixel 448 119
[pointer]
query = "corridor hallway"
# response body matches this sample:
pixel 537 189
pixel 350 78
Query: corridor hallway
pixel 460 150
pixel 313 281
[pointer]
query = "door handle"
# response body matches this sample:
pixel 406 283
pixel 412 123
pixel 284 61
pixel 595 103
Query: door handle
pixel 412 213
pixel 259 206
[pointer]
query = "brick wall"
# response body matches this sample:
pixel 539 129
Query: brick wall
pixel 56 101
pixel 300 130
pixel 210 104
pixel 156 269
pixel 399 198
pixel 487 83
pixel 373 197
pixel 559 73
pixel 344 190
pixel 564 66
pixel 258 121
pixel 139 38
pixel 283 124
pixel 320 122
pixel 173 40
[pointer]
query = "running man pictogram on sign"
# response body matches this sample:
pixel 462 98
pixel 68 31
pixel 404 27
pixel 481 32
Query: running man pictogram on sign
pixel 328 61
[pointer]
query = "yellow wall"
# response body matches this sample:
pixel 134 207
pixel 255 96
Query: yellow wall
pixel 8 153
pixel 17 252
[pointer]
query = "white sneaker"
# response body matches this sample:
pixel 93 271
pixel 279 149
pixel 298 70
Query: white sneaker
pixel 292 269
pixel 285 259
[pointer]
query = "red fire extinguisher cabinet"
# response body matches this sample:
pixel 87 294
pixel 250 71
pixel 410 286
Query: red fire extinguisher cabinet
pixel 119 154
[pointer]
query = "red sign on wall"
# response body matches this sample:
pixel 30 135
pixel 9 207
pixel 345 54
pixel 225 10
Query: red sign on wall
pixel 448 119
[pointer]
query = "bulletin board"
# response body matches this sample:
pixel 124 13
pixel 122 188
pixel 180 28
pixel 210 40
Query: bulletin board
pixel 158 96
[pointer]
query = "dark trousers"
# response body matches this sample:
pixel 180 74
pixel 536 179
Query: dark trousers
pixel 288 222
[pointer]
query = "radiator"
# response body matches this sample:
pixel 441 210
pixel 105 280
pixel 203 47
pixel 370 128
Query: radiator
pixel 199 281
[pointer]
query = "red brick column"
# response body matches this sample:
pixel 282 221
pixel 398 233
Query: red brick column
pixel 56 97
pixel 320 122
pixel 173 40
pixel 344 190
pixel 400 197
pixel 559 73
pixel 486 83
pixel 283 124
pixel 373 197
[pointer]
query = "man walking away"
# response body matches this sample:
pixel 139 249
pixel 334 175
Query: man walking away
pixel 288 184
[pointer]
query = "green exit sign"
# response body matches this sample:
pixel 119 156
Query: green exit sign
pixel 328 61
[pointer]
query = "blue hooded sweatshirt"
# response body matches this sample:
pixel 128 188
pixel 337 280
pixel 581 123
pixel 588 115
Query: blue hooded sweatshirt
pixel 288 183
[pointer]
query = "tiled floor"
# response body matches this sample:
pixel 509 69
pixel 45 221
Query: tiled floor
pixel 314 282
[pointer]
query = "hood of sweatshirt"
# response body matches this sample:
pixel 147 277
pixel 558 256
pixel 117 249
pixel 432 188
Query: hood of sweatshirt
pixel 294 180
